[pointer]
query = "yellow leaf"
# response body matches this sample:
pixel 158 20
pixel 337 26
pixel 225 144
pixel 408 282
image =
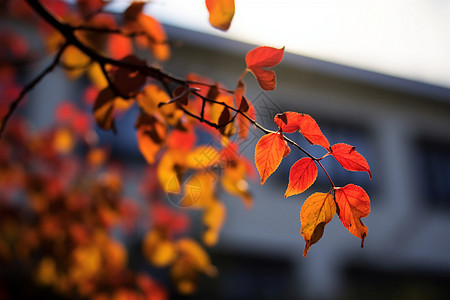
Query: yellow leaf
pixel 196 255
pixel 233 181
pixel 168 174
pixel 199 190
pixel 96 76
pixel 96 157
pixel 63 140
pixel 202 157
pixel 86 263
pixel 76 61
pixel 221 13
pixel 158 249
pixel 149 99
pixel 316 212
pixel 213 219
pixel 46 271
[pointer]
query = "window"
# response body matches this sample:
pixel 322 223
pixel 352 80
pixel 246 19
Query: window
pixel 435 170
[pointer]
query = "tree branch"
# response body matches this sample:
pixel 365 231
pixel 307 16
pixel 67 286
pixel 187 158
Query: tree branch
pixel 68 32
pixel 30 86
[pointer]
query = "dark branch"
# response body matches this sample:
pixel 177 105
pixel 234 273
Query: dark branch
pixel 68 32
pixel 30 86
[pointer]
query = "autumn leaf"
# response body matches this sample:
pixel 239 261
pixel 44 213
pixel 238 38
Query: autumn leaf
pixel 104 109
pixel 243 123
pixel 302 175
pixel 264 57
pixel 119 46
pixel 312 133
pixel 157 40
pixel 192 260
pixel 224 120
pixel 202 157
pixel 182 140
pixel 221 13
pixel 128 81
pixel 354 204
pixel 288 121
pixel 64 140
pixel 199 190
pixel 233 181
pixel 75 61
pixel 349 158
pixel 158 249
pixel 151 135
pixel 134 10
pixel 169 174
pixel 316 212
pixel 213 219
pixel 268 154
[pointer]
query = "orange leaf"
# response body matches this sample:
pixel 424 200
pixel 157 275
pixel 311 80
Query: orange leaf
pixel 312 133
pixel 169 174
pixel 182 140
pixel 221 13
pixel 213 219
pixel 199 190
pixel 202 157
pixel 268 154
pixel 119 46
pixel 233 181
pixel 302 176
pixel 243 123
pixel 64 140
pixel 288 121
pixel 264 57
pixel 158 249
pixel 151 135
pixel 349 159
pixel 156 36
pixel 104 109
pixel 354 204
pixel 197 258
pixel 316 212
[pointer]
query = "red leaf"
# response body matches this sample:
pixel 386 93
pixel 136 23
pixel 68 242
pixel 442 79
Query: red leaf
pixel 221 13
pixel 302 175
pixel 268 154
pixel 312 133
pixel 119 46
pixel 182 140
pixel 292 121
pixel 354 204
pixel 288 121
pixel 264 57
pixel 127 81
pixel 349 159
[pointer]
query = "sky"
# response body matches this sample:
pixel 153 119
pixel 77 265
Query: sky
pixel 404 38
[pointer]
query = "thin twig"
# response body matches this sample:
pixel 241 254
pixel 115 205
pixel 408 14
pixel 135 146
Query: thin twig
pixel 30 86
